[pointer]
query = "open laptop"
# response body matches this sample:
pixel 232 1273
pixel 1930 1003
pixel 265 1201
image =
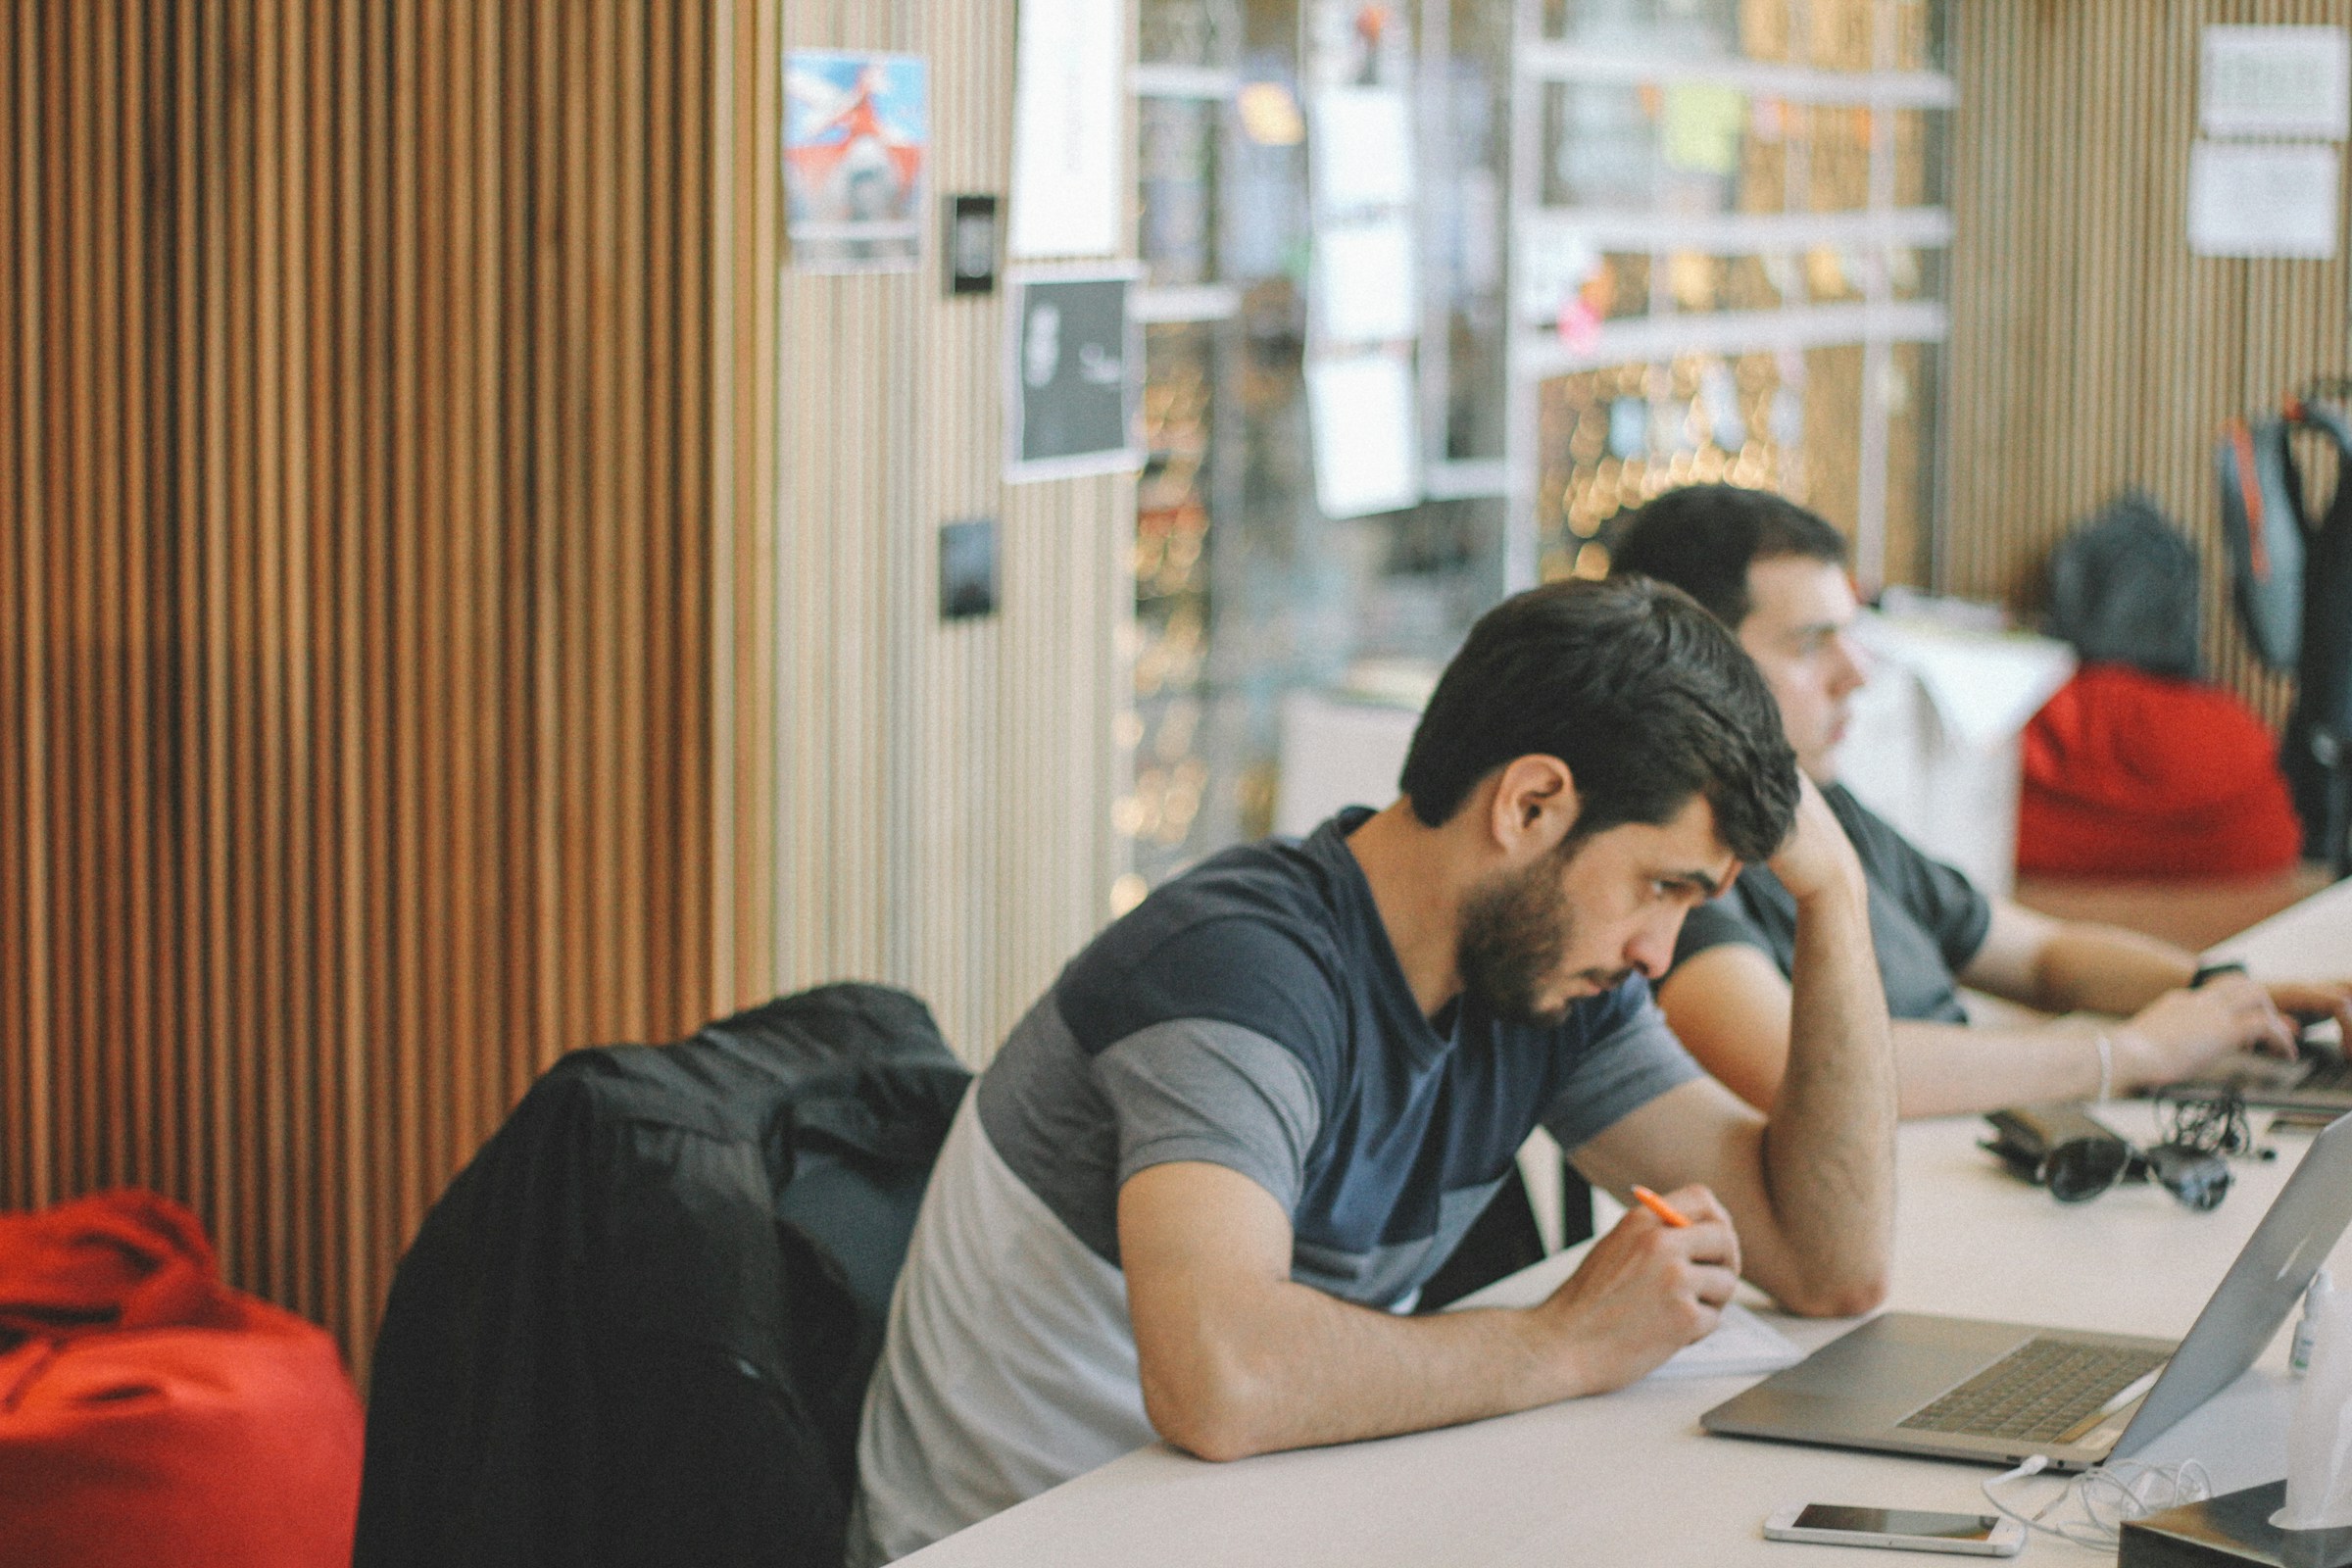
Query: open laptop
pixel 1961 1389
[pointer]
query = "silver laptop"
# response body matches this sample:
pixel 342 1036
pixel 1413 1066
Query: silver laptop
pixel 1960 1389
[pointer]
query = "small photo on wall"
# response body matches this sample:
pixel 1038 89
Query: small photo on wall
pixel 1071 374
pixel 967 568
pixel 856 137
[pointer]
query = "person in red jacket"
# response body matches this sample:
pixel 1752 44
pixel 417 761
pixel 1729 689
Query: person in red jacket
pixel 2129 773
pixel 1776 574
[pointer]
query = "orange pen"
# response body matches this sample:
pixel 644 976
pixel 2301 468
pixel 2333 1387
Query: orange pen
pixel 1660 1206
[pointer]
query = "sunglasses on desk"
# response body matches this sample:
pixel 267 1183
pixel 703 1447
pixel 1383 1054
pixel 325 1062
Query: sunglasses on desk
pixel 2064 1148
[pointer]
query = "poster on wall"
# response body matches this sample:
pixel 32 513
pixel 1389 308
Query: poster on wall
pixel 857 135
pixel 1366 447
pixel 1364 150
pixel 1069 128
pixel 1365 281
pixel 1071 368
pixel 2274 82
pixel 2267 198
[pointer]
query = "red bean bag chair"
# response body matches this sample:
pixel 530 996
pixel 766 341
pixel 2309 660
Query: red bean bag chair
pixel 2139 775
pixel 150 1414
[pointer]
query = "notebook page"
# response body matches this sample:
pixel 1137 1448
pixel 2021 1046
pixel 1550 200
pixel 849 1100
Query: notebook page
pixel 1742 1345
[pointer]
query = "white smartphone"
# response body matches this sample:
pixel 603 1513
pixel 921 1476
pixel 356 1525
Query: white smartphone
pixel 1832 1524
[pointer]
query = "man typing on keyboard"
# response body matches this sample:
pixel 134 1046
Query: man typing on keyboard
pixel 1775 573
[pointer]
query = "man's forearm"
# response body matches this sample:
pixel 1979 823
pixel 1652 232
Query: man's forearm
pixel 1315 1370
pixel 1952 1069
pixel 2103 968
pixel 1829 1147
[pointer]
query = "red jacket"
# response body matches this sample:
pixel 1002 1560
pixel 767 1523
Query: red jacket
pixel 2133 774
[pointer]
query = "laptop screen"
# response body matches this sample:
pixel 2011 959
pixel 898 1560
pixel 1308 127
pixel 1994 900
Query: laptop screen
pixel 2260 1290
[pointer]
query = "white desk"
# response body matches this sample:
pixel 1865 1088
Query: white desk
pixel 1629 1478
pixel 2311 940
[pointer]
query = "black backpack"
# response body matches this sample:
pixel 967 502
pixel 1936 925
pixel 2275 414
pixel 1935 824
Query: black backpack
pixel 2294 574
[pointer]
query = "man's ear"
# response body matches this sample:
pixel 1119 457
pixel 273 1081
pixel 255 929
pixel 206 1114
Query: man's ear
pixel 1534 807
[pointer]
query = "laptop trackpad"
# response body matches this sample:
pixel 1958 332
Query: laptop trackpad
pixel 1868 1379
pixel 1903 1357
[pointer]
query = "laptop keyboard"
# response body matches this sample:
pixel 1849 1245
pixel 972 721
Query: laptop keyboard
pixel 2040 1389
pixel 2332 1074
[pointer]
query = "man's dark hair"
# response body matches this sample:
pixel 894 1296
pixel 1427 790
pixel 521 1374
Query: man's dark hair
pixel 1702 538
pixel 1641 692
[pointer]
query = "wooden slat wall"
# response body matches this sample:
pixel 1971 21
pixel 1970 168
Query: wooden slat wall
pixel 946 788
pixel 2091 352
pixel 388 423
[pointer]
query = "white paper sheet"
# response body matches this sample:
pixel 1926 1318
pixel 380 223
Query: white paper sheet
pixel 1362 150
pixel 2258 199
pixel 1365 284
pixel 1742 1345
pixel 2275 81
pixel 1367 453
pixel 1068 129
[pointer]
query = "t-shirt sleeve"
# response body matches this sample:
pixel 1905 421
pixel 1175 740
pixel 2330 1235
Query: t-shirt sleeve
pixel 1941 898
pixel 1202 1088
pixel 1633 1058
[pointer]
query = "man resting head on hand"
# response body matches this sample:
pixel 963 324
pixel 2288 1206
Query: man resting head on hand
pixel 1196 1192
pixel 1775 573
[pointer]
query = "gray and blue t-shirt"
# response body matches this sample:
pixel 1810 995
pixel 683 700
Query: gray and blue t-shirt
pixel 1252 1015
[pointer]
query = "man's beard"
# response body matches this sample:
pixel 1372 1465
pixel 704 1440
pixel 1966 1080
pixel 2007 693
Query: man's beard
pixel 1516 927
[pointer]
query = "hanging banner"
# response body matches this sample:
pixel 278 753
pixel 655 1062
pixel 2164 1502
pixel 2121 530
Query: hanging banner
pixel 1069 126
pixel 1364 150
pixel 1366 438
pixel 1366 283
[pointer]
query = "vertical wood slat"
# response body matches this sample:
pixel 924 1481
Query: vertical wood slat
pixel 25 557
pixel 2112 360
pixel 17 636
pixel 144 295
pixel 744 304
pixel 70 571
pixel 380 1045
pixel 341 787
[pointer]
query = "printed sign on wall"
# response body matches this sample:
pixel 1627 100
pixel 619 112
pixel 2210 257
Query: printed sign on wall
pixel 857 131
pixel 2274 82
pixel 1069 128
pixel 1070 376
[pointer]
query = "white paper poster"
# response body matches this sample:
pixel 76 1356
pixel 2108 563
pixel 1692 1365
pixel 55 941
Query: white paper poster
pixel 1362 148
pixel 1069 126
pixel 2275 81
pixel 2263 199
pixel 1367 457
pixel 1366 288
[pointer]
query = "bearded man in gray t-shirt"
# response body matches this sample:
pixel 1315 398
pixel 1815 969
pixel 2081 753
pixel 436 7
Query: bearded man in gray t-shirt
pixel 1196 1195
